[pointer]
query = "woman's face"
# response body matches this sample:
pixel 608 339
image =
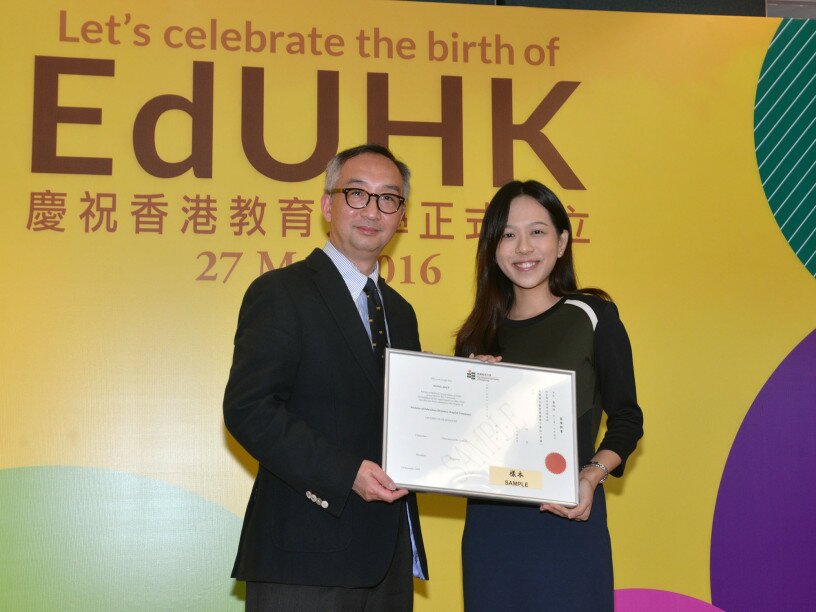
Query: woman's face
pixel 530 245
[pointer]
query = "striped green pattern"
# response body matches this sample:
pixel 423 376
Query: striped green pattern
pixel 785 134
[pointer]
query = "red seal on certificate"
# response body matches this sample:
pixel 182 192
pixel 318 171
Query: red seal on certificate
pixel 555 463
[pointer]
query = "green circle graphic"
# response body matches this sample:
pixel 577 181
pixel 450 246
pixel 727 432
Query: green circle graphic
pixel 785 134
pixel 93 539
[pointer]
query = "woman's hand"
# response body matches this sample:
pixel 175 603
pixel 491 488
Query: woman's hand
pixel 581 512
pixel 590 477
pixel 486 358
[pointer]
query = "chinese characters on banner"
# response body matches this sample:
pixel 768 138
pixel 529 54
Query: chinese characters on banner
pixel 244 215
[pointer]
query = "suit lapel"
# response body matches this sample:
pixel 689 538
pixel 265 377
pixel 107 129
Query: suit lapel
pixel 336 296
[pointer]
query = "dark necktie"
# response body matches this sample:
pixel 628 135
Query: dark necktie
pixel 376 321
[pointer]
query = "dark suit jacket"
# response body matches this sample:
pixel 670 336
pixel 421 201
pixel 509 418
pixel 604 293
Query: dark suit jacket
pixel 305 399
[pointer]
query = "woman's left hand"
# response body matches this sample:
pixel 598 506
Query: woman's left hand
pixel 586 492
pixel 486 358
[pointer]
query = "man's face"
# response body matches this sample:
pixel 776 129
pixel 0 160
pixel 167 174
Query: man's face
pixel 361 234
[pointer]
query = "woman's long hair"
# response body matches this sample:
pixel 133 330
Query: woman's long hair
pixel 494 291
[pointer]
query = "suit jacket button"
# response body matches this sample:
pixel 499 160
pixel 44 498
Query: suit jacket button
pixel 318 500
pixel 324 503
pixel 309 494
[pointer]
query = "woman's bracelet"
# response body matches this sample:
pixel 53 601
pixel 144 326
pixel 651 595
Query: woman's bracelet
pixel 600 466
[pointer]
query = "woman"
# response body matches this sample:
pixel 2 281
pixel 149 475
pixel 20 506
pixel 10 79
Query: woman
pixel 529 310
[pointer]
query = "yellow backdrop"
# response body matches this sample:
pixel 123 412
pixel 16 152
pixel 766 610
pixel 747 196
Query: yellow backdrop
pixel 117 342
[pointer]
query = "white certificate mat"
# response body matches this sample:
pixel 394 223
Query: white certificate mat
pixel 464 427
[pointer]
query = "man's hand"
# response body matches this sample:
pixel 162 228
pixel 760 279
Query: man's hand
pixel 373 484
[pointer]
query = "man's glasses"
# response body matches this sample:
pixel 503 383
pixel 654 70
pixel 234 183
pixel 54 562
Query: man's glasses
pixel 388 203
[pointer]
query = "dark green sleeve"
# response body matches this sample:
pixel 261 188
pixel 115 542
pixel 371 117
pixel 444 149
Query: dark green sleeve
pixel 616 377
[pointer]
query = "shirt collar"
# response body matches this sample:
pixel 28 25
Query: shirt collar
pixel 354 279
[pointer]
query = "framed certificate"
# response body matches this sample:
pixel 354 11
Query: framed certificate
pixel 494 430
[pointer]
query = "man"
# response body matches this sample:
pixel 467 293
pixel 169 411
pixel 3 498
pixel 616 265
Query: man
pixel 325 527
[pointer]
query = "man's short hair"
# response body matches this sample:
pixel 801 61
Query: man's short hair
pixel 335 165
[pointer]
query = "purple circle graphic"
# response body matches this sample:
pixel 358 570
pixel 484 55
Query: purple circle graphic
pixel 639 600
pixel 763 539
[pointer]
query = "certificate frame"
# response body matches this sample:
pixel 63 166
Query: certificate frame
pixel 464 427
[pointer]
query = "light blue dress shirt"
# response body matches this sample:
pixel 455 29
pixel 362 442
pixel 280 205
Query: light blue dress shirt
pixel 355 281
